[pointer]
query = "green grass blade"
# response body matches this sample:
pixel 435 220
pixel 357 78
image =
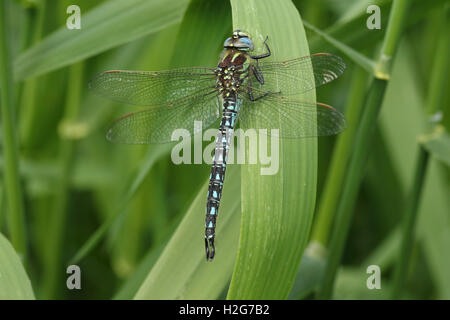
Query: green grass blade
pixel 351 285
pixel 29 98
pixel 106 26
pixel 14 282
pixel 358 58
pixel 10 141
pixel 153 155
pixel 336 173
pixel 412 205
pixel 352 29
pixel 385 253
pixel 277 209
pixel 440 63
pixel 438 144
pixel 132 285
pixel 52 274
pixel 357 8
pixel 409 222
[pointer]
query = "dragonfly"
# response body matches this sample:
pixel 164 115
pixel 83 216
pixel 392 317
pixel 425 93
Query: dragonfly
pixel 244 88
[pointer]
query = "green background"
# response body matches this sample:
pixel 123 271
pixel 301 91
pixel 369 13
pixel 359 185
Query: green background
pixel 133 221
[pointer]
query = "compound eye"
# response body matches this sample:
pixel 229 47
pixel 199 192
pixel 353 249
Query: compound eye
pixel 246 42
pixel 228 42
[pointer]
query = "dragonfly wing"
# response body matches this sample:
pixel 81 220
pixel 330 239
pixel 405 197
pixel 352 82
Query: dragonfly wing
pixel 290 118
pixel 147 88
pixel 157 124
pixel 299 75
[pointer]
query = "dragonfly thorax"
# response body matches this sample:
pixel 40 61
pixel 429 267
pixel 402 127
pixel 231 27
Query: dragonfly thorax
pixel 230 72
pixel 228 80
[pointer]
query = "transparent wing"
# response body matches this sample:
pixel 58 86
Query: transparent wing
pixel 157 124
pixel 290 118
pixel 290 75
pixel 152 87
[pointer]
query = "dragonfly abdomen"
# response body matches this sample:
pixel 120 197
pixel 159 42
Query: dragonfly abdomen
pixel 223 139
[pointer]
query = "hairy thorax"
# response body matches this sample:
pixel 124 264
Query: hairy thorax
pixel 230 72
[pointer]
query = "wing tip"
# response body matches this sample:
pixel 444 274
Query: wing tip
pixel 334 56
pixel 321 104
pixel 338 116
pixel 98 76
pixel 109 134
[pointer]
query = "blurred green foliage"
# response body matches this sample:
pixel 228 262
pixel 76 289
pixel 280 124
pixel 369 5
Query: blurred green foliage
pixel 115 208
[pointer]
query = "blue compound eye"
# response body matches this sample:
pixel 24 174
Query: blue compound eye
pixel 245 43
pixel 245 40
pixel 228 42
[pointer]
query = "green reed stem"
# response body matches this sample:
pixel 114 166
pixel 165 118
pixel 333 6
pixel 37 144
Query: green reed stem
pixel 409 222
pixel 439 74
pixel 359 157
pixel 436 91
pixel 30 108
pixel 338 166
pixel 351 185
pixel 10 148
pixel 53 269
pixel 27 23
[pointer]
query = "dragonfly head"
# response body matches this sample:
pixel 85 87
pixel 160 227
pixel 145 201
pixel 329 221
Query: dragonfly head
pixel 239 40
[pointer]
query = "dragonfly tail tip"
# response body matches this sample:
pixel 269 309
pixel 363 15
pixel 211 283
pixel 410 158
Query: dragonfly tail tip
pixel 209 248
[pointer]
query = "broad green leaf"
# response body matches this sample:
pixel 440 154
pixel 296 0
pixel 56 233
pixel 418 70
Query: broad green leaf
pixel 277 209
pixel 14 282
pixel 108 25
pixel 438 144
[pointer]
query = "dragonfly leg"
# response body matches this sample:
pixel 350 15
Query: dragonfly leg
pixel 256 69
pixel 257 72
pixel 265 94
pixel 264 55
pixel 250 90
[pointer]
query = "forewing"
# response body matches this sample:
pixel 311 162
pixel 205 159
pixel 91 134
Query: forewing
pixel 294 76
pixel 152 87
pixel 157 124
pixel 290 118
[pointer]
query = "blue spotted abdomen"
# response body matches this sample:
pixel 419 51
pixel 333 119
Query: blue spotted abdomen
pixel 217 177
